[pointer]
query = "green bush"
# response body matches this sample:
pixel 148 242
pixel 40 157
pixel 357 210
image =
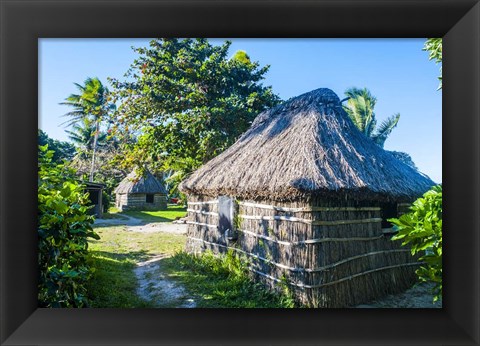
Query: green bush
pixel 421 229
pixel 63 229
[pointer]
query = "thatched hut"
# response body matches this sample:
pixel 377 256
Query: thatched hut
pixel 305 197
pixel 140 192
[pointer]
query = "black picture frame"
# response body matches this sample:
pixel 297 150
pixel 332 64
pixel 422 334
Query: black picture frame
pixel 23 22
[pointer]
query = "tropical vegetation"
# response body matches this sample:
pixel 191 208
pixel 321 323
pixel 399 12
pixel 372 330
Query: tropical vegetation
pixel 188 101
pixel 82 134
pixel 435 52
pixel 360 108
pixel 61 150
pixel 90 105
pixel 63 231
pixel 183 102
pixel 421 230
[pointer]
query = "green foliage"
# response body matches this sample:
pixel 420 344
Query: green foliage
pixel 223 282
pixel 242 57
pixel 434 48
pixel 188 101
pixel 360 108
pixel 63 229
pixel 92 102
pixel 61 150
pixel 91 106
pixel 421 229
pixel 105 169
pixel 82 135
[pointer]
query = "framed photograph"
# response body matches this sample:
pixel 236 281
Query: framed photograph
pixel 26 24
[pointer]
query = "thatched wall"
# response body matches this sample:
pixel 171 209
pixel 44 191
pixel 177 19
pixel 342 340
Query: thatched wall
pixel 330 253
pixel 202 221
pixel 137 201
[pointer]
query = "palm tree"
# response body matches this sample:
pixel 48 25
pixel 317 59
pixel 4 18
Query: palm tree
pixel 360 108
pixel 90 103
pixel 82 135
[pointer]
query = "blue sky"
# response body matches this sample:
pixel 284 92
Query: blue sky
pixel 396 71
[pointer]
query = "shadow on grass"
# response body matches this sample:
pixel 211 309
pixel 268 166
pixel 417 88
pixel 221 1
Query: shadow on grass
pixel 133 256
pixel 146 218
pixel 156 216
pixel 124 223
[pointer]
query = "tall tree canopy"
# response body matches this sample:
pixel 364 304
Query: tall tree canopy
pixel 188 101
pixel 360 108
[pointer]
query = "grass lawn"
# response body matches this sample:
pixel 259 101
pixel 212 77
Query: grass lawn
pixel 173 212
pixel 114 257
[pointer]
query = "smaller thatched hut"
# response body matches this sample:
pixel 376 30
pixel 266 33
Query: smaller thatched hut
pixel 137 192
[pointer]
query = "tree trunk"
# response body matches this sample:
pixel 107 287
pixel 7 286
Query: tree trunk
pixel 95 139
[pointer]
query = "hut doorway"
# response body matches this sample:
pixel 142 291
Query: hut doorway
pixel 95 197
pixel 149 198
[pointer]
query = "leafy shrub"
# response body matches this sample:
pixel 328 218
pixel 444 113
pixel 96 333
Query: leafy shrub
pixel 63 229
pixel 421 229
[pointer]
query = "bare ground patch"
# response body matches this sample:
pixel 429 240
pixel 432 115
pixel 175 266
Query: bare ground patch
pixel 419 296
pixel 136 225
pixel 154 286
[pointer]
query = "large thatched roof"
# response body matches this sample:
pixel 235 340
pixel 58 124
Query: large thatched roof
pixel 307 146
pixel 135 184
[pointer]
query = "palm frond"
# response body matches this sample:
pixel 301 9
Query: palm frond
pixel 359 107
pixel 385 129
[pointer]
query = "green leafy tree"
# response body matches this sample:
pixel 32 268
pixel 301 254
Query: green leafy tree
pixel 421 229
pixel 61 150
pixel 63 229
pixel 434 48
pixel 187 102
pixel 360 108
pixel 92 103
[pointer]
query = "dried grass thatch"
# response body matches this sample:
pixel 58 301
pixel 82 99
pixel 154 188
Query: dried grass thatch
pixel 135 184
pixel 307 147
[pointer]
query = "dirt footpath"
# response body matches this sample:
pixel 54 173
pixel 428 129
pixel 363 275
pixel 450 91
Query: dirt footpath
pixel 153 285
